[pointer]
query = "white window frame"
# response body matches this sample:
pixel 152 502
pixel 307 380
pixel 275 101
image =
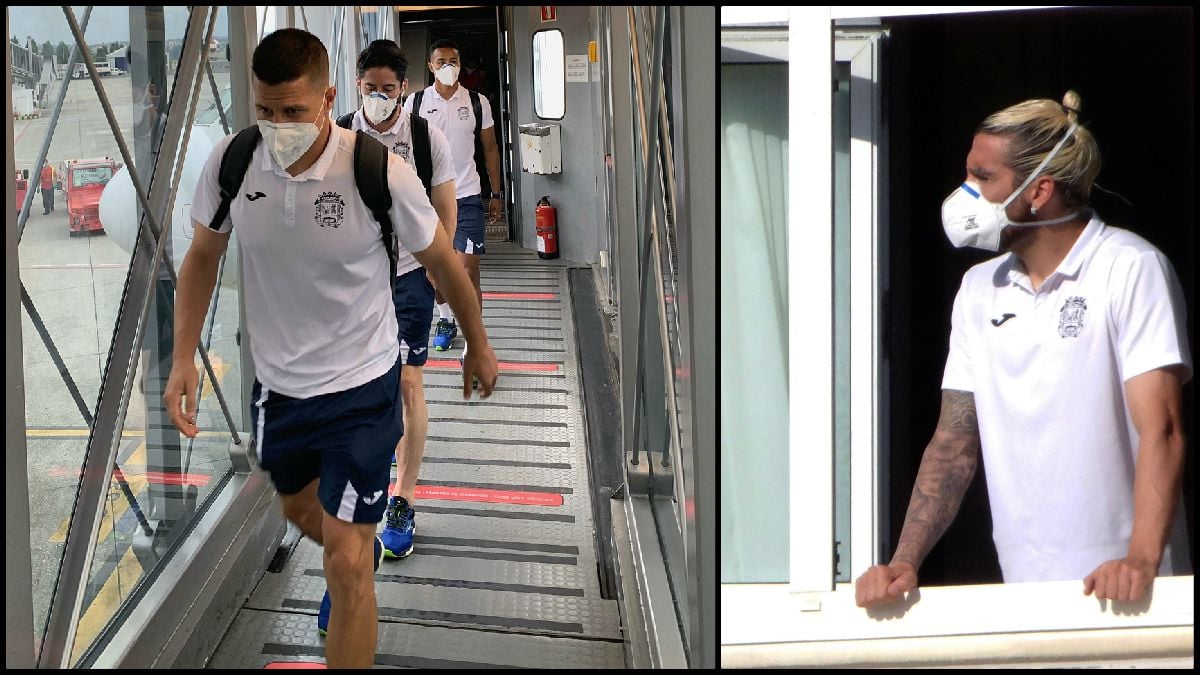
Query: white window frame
pixel 811 620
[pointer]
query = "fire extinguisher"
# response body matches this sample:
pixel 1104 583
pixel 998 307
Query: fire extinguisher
pixel 547 230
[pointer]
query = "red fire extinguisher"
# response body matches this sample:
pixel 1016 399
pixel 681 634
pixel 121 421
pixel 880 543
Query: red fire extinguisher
pixel 547 230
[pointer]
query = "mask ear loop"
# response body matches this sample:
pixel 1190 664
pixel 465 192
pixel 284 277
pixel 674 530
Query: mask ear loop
pixel 1038 171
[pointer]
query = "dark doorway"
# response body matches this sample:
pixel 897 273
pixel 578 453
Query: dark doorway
pixel 1134 70
pixel 476 31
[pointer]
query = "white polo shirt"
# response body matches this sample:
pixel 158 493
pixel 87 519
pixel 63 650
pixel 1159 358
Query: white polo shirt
pixel 1048 370
pixel 399 139
pixel 319 309
pixel 456 118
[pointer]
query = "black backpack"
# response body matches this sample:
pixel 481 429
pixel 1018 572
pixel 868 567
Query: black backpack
pixel 370 175
pixel 480 164
pixel 422 153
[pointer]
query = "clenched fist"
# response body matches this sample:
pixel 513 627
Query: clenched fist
pixel 882 584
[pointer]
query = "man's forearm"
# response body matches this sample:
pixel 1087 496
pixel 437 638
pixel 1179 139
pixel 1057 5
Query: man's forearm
pixel 1156 484
pixel 946 471
pixel 192 295
pixel 442 197
pixel 491 156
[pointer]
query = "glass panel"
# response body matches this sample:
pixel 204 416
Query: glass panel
pixel 549 76
pixel 75 253
pixel 754 394
pixel 841 319
pixel 73 273
pixel 161 477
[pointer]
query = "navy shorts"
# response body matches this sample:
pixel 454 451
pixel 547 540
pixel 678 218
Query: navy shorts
pixel 413 296
pixel 469 234
pixel 345 438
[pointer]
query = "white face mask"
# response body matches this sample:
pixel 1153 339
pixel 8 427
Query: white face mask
pixel 971 220
pixel 287 141
pixel 377 107
pixel 448 74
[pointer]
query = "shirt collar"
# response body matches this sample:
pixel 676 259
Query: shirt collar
pixel 1083 248
pixel 456 95
pixel 318 169
pixel 1080 251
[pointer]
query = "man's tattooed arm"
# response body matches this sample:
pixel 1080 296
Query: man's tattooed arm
pixel 946 471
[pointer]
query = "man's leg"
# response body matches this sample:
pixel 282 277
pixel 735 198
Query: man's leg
pixel 414 298
pixel 45 201
pixel 349 558
pixel 411 448
pixel 305 511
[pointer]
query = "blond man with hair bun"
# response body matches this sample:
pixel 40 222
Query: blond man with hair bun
pixel 1068 353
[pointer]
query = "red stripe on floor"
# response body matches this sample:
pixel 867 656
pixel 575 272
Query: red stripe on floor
pixel 459 494
pixel 294 664
pixel 500 295
pixel 197 479
pixel 158 477
pixel 503 365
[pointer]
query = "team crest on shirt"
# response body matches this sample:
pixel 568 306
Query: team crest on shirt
pixel 462 113
pixel 1070 317
pixel 331 210
pixel 401 148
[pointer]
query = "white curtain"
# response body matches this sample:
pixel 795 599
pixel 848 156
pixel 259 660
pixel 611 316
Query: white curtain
pixel 754 395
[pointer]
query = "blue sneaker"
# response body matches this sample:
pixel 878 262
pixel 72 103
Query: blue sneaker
pixel 326 605
pixel 401 526
pixel 446 332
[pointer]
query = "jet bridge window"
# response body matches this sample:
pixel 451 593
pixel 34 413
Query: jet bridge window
pixel 549 75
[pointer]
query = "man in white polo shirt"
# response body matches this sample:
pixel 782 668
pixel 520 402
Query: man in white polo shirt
pixel 320 319
pixel 452 108
pixel 382 84
pixel 1067 358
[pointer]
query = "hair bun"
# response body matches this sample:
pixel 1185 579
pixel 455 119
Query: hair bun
pixel 1071 105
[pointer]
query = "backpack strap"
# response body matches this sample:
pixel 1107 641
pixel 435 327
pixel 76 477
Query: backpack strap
pixel 480 162
pixel 370 175
pixel 234 163
pixel 416 106
pixel 346 121
pixel 422 150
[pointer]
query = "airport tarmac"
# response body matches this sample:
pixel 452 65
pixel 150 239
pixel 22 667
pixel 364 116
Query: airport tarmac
pixel 75 285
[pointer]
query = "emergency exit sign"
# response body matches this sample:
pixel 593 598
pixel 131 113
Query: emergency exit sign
pixel 548 13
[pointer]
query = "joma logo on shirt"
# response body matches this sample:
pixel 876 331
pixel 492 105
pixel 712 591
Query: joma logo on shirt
pixel 1070 317
pixel 331 210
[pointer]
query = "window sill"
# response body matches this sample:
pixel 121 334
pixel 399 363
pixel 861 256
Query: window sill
pixel 766 625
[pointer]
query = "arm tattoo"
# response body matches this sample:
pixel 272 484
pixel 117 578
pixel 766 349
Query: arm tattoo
pixel 946 471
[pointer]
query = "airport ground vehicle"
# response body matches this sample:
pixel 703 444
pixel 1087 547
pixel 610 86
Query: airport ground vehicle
pixel 83 181
pixel 22 188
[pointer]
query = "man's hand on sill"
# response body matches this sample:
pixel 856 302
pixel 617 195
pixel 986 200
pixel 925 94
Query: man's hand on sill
pixel 884 584
pixel 1124 580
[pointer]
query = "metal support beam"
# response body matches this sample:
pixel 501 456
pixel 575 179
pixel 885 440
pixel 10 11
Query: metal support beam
pixel 694 89
pixel 18 565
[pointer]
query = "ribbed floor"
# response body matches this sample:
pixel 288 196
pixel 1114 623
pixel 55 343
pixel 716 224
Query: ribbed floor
pixel 510 583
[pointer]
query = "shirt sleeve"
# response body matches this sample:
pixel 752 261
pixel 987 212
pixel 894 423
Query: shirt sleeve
pixel 443 163
pixel 1149 312
pixel 487 113
pixel 413 217
pixel 207 196
pixel 958 362
pixel 408 103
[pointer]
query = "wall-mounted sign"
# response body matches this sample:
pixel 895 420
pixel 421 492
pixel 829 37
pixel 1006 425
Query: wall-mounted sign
pixel 549 13
pixel 577 68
